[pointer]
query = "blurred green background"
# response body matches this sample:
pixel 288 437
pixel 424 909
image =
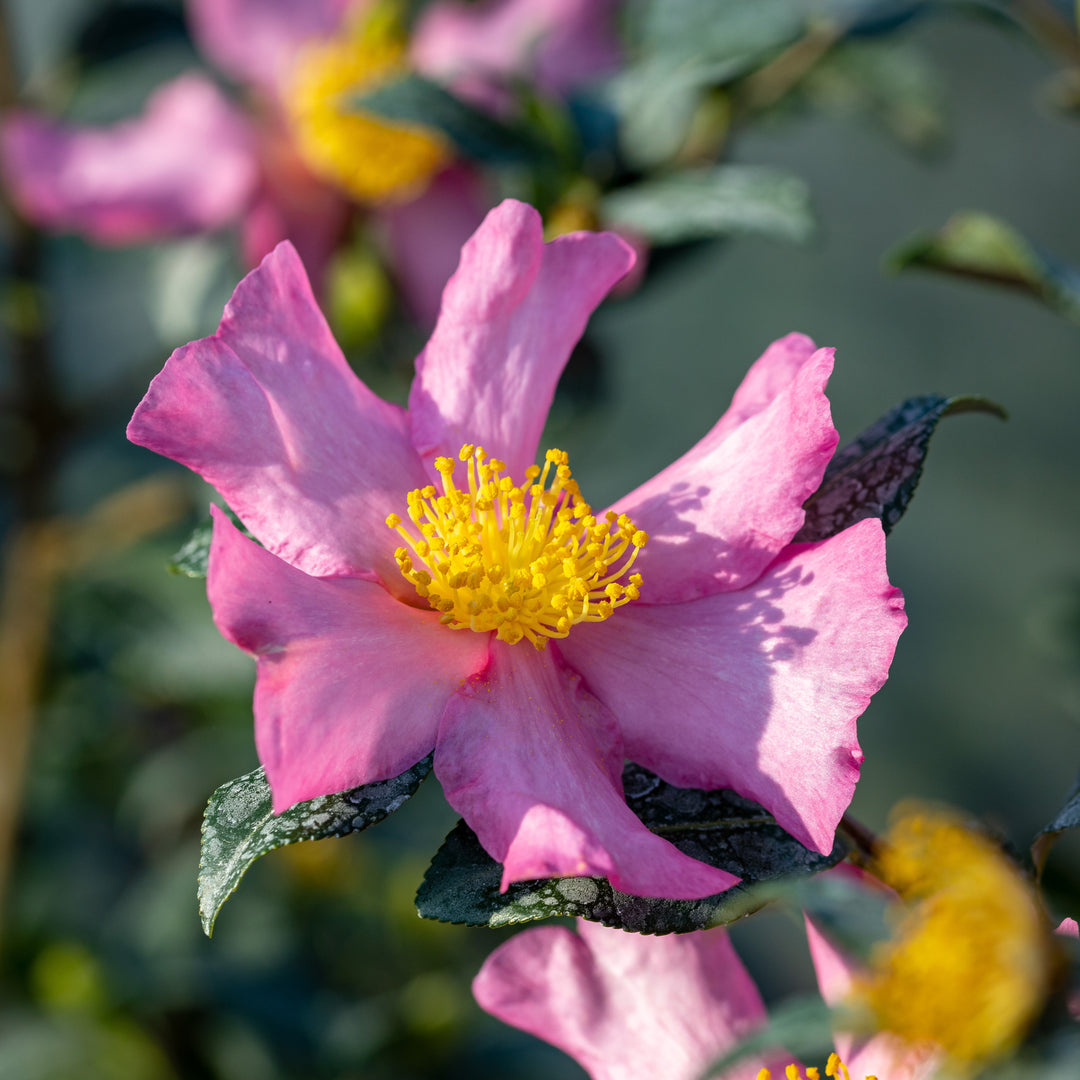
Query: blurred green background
pixel 319 966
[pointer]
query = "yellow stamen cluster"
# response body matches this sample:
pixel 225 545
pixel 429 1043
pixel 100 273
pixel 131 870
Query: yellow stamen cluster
pixel 835 1068
pixel 970 963
pixel 527 562
pixel 372 159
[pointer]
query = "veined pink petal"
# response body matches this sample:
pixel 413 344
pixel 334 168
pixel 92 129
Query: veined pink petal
pixel 533 763
pixel 557 44
pixel 351 683
pixel 881 1055
pixel 256 41
pixel 425 236
pixel 510 316
pixel 186 165
pixel 626 1006
pixel 762 687
pixel 722 512
pixel 268 411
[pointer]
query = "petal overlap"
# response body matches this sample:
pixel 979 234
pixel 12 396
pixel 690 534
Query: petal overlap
pixel 339 698
pixel 534 764
pixel 761 688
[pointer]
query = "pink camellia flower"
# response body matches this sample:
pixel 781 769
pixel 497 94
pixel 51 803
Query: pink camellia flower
pixel 423 584
pixel 635 1007
pixel 290 163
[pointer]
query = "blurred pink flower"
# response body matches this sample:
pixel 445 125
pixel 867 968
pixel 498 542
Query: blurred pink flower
pixel 636 1007
pixel 193 161
pixel 744 664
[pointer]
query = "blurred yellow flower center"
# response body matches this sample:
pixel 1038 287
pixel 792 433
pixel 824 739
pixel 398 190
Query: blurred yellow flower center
pixel 835 1068
pixel 527 562
pixel 372 159
pixel 970 963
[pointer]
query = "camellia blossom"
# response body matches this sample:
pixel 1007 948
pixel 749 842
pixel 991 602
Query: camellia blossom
pixel 423 585
pixel 638 1007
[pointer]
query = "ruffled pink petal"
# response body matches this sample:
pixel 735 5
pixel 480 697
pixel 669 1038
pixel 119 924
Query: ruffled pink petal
pixel 510 316
pixel 626 1006
pixel 757 690
pixel 721 513
pixel 533 763
pixel 557 44
pixel 186 165
pixel 256 41
pixel 881 1055
pixel 425 237
pixel 351 683
pixel 268 411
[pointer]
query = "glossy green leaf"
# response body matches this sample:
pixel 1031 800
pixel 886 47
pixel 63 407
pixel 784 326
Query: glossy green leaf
pixel 984 248
pixel 239 826
pixel 700 204
pixel 876 474
pixel 414 100
pixel 719 827
pixel 1068 817
pixel 193 558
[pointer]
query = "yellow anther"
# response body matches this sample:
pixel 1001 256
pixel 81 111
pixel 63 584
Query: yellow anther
pixel 812 1073
pixel 527 563
pixel 792 1072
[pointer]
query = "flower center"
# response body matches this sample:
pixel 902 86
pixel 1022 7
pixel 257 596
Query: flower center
pixel 835 1068
pixel 372 159
pixel 526 562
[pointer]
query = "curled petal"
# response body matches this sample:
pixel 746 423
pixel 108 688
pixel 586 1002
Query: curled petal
pixel 626 1006
pixel 186 165
pixel 268 411
pixel 351 683
pixel 510 316
pixel 765 685
pixel 256 41
pixel 722 512
pixel 534 764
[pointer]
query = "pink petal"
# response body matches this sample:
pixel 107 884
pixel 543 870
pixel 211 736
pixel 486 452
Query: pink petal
pixel 1068 928
pixel 882 1055
pixel 721 513
pixel 425 237
pixel 557 44
pixel 626 1006
pixel 533 764
pixel 268 411
pixel 351 683
pixel 756 690
pixel 185 165
pixel 510 316
pixel 256 41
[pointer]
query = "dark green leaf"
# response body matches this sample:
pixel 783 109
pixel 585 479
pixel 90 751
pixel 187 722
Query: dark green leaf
pixel 194 556
pixel 1068 817
pixel 239 826
pixel 984 248
pixel 699 204
pixel 719 827
pixel 876 474
pixel 414 100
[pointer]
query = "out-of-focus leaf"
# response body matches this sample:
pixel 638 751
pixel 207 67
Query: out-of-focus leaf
pixel 695 205
pixel 719 827
pixel 239 826
pixel 1068 817
pixel 721 29
pixel 414 100
pixel 803 1027
pixel 876 474
pixel 891 81
pixel 984 248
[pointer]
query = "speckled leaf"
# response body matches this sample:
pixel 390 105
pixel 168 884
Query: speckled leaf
pixel 981 247
pixel 701 204
pixel 193 557
pixel 876 474
pixel 1068 817
pixel 239 826
pixel 719 827
pixel 414 100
